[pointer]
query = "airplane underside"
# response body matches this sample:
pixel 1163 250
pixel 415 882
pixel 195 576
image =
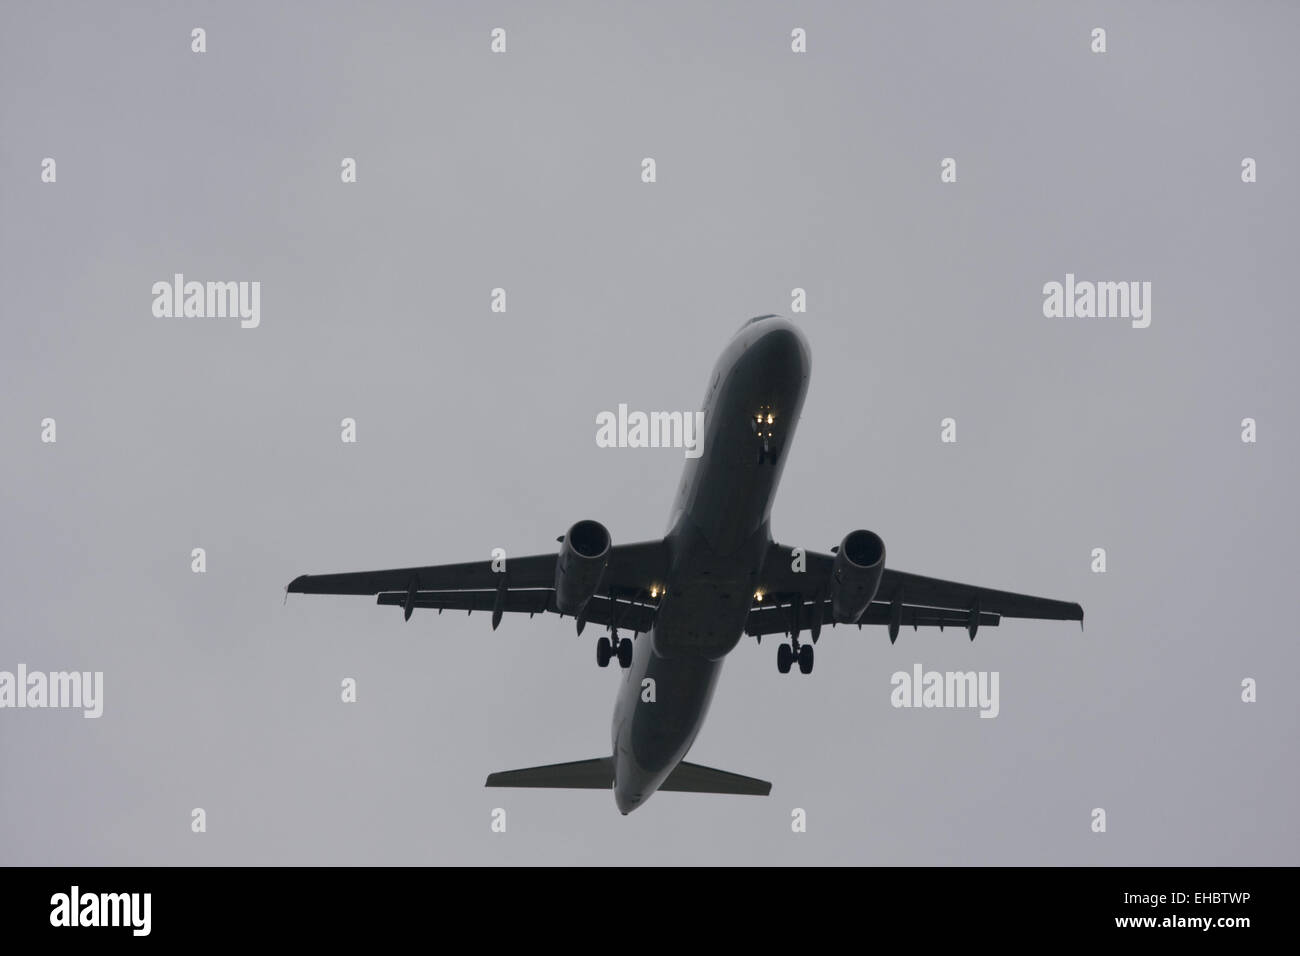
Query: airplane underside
pixel 689 598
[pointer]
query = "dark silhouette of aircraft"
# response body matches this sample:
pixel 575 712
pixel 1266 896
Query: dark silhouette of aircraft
pixel 689 598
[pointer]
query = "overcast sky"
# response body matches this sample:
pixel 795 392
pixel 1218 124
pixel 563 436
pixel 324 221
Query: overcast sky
pixel 476 429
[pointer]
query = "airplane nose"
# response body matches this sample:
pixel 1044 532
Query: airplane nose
pixel 625 802
pixel 781 350
pixel 629 784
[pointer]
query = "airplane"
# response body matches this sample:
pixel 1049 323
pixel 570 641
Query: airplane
pixel 688 598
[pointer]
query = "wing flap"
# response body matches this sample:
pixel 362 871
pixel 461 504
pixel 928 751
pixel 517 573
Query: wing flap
pixel 629 615
pixel 534 601
pixel 779 619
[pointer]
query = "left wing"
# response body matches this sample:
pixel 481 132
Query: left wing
pixel 526 585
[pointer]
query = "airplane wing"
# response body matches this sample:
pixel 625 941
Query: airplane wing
pixel 526 585
pixel 796 599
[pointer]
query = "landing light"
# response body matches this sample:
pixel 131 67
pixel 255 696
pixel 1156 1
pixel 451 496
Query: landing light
pixel 769 418
pixel 654 590
pixel 758 595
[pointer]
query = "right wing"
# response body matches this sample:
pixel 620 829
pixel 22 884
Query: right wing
pixel 933 592
pixel 796 599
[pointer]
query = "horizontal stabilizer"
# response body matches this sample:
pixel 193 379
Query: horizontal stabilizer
pixel 598 774
pixel 595 774
pixel 692 778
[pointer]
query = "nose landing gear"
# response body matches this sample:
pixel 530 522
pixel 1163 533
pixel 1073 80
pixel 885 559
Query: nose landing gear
pixel 761 423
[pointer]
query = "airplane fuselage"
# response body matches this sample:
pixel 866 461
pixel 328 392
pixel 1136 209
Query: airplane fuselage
pixel 717 540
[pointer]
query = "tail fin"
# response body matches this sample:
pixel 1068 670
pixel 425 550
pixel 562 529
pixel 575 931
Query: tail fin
pixel 598 774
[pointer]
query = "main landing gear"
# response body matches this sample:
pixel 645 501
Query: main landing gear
pixel 787 654
pixel 607 649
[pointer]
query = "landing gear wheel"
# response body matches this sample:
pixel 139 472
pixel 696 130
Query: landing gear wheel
pixel 603 652
pixel 805 659
pixel 784 658
pixel 625 653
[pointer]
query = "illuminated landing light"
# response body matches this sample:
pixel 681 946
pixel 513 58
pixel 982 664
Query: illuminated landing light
pixel 758 595
pixel 654 590
pixel 769 418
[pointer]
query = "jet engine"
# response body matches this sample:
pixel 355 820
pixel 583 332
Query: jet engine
pixel 584 552
pixel 855 576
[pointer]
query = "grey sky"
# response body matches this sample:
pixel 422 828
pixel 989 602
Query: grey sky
pixel 476 430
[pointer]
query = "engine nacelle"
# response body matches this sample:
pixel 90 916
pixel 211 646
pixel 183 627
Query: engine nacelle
pixel 855 577
pixel 583 555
